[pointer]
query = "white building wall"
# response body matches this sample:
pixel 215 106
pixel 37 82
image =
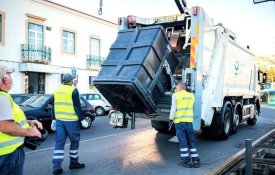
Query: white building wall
pixel 57 18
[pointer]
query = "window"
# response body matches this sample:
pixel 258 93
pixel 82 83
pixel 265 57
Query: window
pixel 68 42
pixel 2 28
pixel 35 35
pixel 95 47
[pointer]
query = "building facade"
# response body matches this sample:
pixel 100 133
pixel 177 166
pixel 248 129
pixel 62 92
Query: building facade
pixel 43 40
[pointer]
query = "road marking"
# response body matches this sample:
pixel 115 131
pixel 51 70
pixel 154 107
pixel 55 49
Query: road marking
pixel 88 140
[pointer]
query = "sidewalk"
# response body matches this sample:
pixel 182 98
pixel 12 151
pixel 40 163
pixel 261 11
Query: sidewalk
pixel 265 105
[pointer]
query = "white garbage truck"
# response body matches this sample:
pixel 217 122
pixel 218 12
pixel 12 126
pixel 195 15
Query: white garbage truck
pixel 151 54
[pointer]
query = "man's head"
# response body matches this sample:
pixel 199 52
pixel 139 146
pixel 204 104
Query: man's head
pixel 5 78
pixel 180 86
pixel 68 79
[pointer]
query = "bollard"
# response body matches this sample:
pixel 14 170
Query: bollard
pixel 133 121
pixel 248 157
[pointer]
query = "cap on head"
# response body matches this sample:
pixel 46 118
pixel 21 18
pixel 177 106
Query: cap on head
pixel 67 78
pixel 4 70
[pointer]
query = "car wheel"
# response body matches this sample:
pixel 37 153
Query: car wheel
pixel 87 117
pixel 99 110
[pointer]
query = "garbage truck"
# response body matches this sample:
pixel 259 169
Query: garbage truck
pixel 150 55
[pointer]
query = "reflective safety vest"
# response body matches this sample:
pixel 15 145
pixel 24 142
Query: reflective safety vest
pixel 63 103
pixel 185 102
pixel 10 143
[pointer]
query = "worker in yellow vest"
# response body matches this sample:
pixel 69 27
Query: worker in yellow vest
pixel 67 112
pixel 181 115
pixel 13 128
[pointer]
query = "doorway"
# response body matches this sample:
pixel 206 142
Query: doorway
pixel 34 83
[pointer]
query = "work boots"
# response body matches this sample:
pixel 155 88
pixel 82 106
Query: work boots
pixel 196 164
pixel 185 164
pixel 76 165
pixel 58 171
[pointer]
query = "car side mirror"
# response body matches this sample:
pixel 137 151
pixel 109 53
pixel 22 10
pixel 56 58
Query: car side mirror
pixel 48 108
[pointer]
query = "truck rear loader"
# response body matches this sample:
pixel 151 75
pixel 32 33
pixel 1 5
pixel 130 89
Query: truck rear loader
pixel 151 54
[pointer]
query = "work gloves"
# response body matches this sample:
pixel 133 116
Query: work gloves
pixel 84 123
pixel 53 125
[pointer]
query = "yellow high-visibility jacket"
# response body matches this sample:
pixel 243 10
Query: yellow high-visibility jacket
pixel 10 143
pixel 63 103
pixel 185 102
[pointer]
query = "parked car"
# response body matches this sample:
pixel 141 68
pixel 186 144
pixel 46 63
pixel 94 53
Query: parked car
pixel 20 98
pixel 40 107
pixel 101 105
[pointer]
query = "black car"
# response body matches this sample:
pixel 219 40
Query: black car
pixel 20 98
pixel 40 107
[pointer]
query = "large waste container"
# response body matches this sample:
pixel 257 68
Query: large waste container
pixel 132 77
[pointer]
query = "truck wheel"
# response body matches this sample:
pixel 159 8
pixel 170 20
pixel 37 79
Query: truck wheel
pixel 236 119
pixel 161 126
pixel 223 123
pixel 253 121
pixel 207 133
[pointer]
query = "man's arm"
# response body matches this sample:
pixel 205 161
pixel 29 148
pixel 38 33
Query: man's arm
pixel 77 105
pixel 53 115
pixel 11 128
pixel 7 124
pixel 5 108
pixel 173 108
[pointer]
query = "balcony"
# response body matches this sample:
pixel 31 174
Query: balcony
pixel 94 62
pixel 35 54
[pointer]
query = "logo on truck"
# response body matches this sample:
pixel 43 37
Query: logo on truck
pixel 237 65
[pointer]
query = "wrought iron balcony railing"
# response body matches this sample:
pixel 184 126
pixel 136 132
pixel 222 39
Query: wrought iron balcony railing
pixel 31 53
pixel 94 61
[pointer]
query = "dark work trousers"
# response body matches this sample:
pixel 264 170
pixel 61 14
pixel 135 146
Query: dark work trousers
pixel 63 130
pixel 12 164
pixel 187 140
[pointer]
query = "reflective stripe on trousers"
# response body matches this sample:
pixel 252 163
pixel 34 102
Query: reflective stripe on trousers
pixel 184 154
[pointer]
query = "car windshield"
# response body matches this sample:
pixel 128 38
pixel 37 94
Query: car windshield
pixel 93 97
pixel 36 101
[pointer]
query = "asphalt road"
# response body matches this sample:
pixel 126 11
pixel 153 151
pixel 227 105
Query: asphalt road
pixel 142 151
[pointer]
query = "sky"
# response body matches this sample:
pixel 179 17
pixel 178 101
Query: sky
pixel 253 24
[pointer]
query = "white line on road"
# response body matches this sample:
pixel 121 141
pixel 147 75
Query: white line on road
pixel 88 140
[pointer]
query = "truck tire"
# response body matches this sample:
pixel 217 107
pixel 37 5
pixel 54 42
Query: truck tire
pixel 207 133
pixel 162 126
pixel 253 121
pixel 236 118
pixel 223 122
